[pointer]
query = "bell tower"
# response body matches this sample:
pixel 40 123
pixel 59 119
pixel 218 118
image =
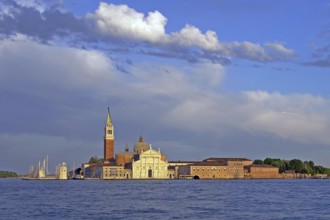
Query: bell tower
pixel 109 139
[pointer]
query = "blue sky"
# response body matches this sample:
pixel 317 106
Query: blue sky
pixel 196 78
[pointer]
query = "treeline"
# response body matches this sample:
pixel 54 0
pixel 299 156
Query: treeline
pixel 7 174
pixel 306 167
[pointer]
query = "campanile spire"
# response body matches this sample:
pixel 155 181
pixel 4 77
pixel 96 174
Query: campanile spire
pixel 109 121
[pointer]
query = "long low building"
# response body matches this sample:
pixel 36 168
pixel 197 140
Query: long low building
pixel 223 168
pixel 204 170
pixel 212 168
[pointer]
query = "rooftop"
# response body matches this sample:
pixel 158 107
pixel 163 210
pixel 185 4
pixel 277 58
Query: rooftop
pixel 225 159
pixel 261 165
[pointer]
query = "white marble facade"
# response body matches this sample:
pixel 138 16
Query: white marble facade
pixel 150 166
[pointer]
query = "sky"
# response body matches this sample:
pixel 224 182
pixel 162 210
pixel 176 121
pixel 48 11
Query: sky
pixel 196 78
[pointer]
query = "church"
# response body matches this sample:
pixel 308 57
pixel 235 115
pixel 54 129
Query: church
pixel 149 164
pixel 142 163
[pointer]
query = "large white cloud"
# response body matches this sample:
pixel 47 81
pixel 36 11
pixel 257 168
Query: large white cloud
pixel 122 21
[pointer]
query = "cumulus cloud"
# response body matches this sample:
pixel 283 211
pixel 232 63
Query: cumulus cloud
pixel 122 21
pixel 192 36
pixel 122 26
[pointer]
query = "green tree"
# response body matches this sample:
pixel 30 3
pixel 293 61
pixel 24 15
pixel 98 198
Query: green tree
pixel 287 165
pixel 7 174
pixel 319 170
pixel 283 167
pixel 268 161
pixel 257 161
pixel 311 164
pixel 308 167
pixel 296 165
pixel 304 170
pixel 277 163
pixel 327 171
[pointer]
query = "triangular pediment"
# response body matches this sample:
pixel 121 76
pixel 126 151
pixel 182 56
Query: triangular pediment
pixel 150 152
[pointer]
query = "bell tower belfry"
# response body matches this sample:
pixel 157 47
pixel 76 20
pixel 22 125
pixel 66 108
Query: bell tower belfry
pixel 109 139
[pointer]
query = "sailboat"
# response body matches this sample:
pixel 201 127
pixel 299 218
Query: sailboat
pixel 39 171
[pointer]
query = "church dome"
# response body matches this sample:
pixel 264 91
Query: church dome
pixel 140 146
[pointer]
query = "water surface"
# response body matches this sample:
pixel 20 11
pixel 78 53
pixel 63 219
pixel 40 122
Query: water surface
pixel 165 199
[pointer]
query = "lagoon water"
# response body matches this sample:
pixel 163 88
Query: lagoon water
pixel 174 199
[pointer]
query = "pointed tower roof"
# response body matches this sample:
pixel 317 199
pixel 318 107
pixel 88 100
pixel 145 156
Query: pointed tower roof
pixel 109 121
